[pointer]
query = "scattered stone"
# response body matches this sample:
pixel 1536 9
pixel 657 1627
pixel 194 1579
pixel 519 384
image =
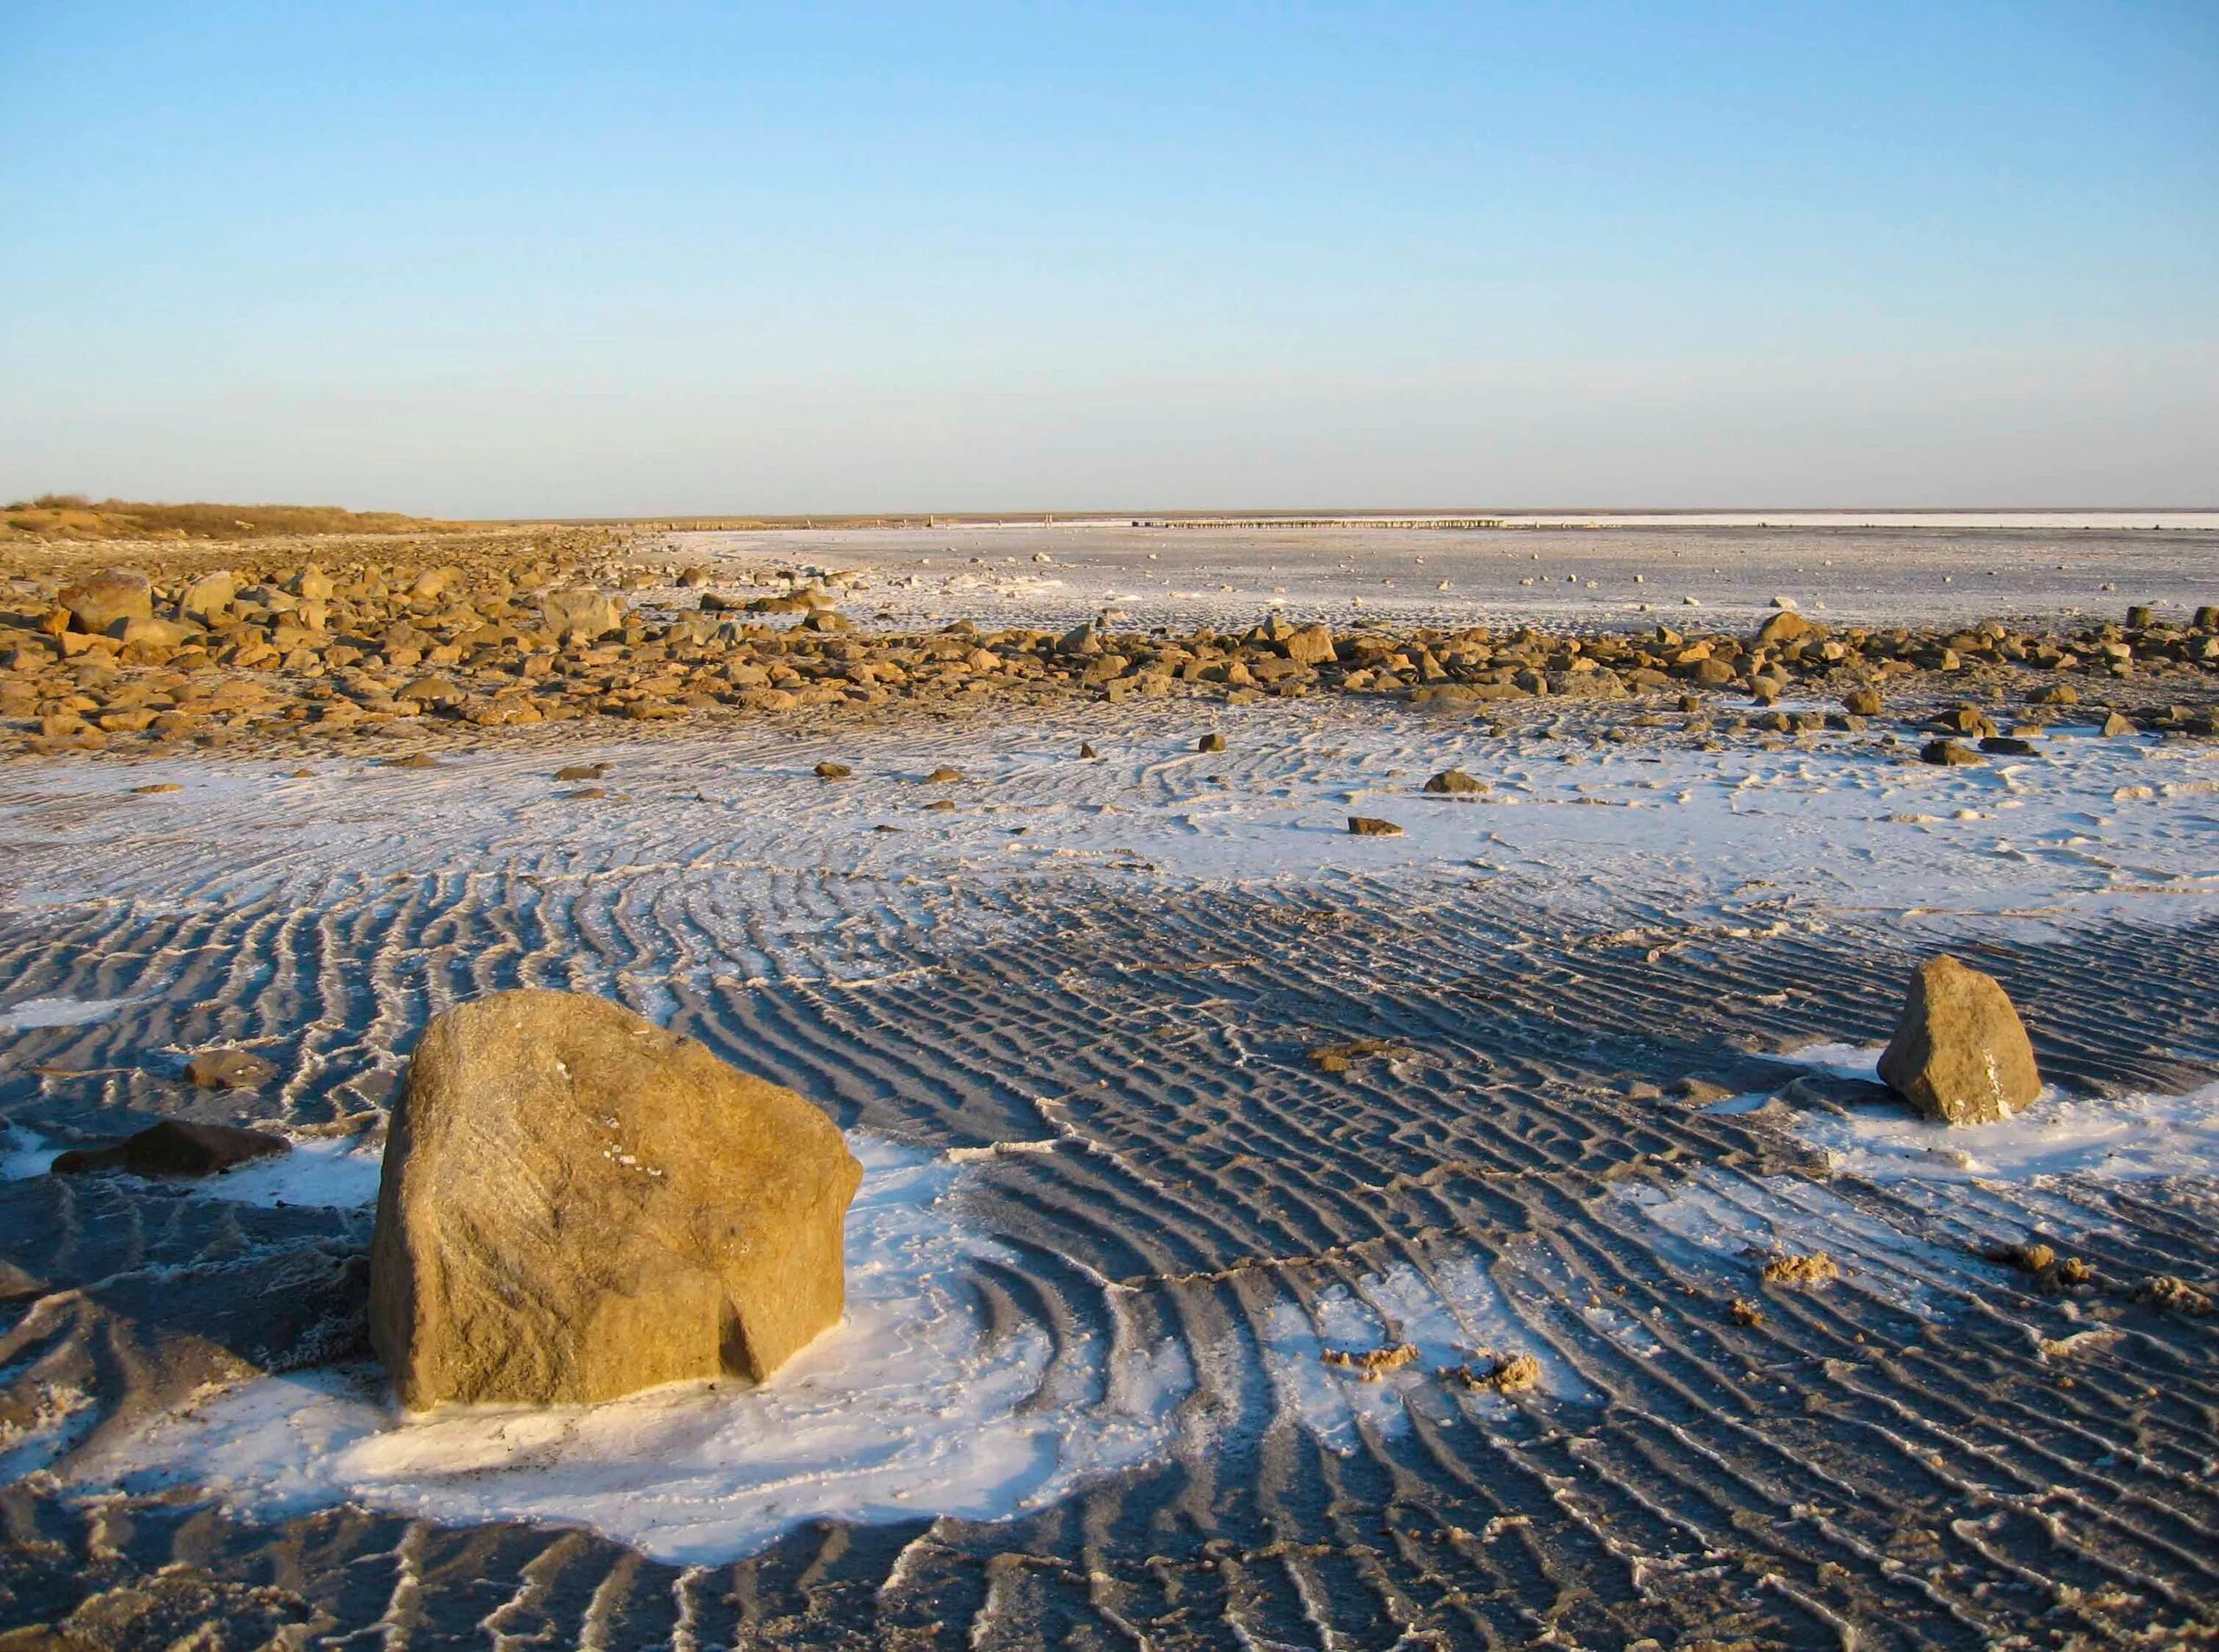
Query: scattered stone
pixel 1455 783
pixel 229 1070
pixel 413 760
pixel 1746 1312
pixel 1312 646
pixel 1087 751
pixel 2053 1275
pixel 1949 754
pixel 1960 1053
pixel 582 614
pixel 1504 1373
pixel 2116 725
pixel 2173 1294
pixel 1370 826
pixel 570 772
pixel 577 1203
pixel 944 775
pixel 1816 1269
pixel 1372 1364
pixel 832 771
pixel 176 1147
pixel 1343 1057
pixel 1210 742
pixel 108 600
pixel 1700 1092
pixel 156 789
pixel 2006 746
pixel 1861 702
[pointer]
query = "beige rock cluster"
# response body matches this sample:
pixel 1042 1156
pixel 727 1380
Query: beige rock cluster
pixel 576 1204
pixel 506 631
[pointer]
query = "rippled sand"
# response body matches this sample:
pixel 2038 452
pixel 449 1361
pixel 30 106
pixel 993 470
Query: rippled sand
pixel 1114 1217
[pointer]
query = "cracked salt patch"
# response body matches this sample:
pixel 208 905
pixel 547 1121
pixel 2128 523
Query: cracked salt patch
pixel 911 1409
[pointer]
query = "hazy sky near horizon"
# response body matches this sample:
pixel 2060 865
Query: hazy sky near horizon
pixel 601 259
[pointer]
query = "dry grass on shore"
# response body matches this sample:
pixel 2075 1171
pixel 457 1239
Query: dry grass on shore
pixel 72 516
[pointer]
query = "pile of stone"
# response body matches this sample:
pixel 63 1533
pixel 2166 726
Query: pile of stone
pixel 496 640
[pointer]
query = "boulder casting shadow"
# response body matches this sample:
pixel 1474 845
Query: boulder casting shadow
pixel 576 1204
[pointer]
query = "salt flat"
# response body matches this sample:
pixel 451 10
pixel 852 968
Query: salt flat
pixel 1114 1217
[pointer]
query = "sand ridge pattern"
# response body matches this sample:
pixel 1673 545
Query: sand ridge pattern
pixel 1891 1457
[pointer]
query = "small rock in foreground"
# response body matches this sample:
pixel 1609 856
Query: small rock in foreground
pixel 832 771
pixel 1455 783
pixel 176 1147
pixel 229 1070
pixel 1960 1053
pixel 1210 742
pixel 1370 826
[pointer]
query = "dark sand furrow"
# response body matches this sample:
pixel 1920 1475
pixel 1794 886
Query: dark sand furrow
pixel 1250 1209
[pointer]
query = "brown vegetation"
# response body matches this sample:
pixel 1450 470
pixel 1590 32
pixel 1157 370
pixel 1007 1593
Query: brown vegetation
pixel 74 516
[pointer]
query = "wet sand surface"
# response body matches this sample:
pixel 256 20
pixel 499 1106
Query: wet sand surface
pixel 1114 1215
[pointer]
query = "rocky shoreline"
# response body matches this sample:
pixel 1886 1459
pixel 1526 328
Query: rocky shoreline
pixel 355 644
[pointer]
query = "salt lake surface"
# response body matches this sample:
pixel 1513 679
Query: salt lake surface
pixel 1114 1217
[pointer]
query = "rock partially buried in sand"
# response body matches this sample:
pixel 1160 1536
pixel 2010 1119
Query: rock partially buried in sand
pixel 576 1204
pixel 1371 826
pixel 1455 783
pixel 1960 1053
pixel 175 1148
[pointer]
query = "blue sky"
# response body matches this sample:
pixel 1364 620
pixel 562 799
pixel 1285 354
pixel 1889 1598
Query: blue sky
pixel 657 257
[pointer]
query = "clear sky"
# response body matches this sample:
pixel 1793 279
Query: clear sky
pixel 640 258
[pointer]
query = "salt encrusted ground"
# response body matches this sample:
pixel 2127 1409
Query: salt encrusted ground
pixel 1114 1216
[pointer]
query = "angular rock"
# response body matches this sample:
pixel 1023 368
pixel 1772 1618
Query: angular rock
pixel 1210 742
pixel 582 612
pixel 1455 783
pixel 1312 646
pixel 576 1204
pixel 175 1148
pixel 1960 1053
pixel 209 595
pixel 1370 826
pixel 109 599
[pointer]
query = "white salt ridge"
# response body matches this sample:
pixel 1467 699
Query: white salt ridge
pixel 906 1411
pixel 2122 1137
pixel 25 1152
pixel 335 1174
pixel 34 1013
